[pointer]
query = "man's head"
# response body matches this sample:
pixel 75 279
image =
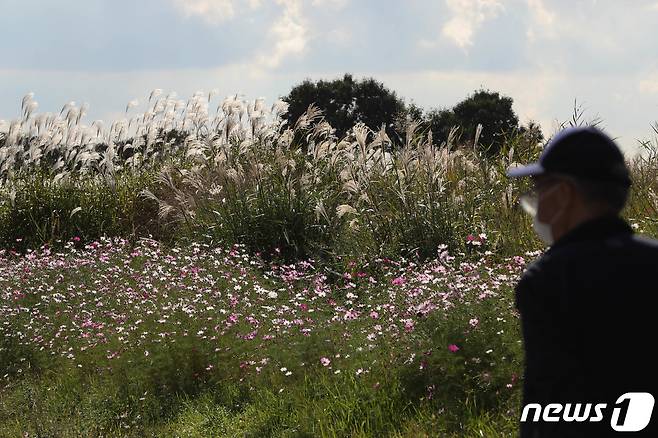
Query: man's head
pixel 580 175
pixel 563 201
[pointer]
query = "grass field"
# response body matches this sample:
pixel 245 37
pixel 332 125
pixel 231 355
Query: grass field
pixel 214 276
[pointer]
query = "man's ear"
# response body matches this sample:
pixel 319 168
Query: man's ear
pixel 569 191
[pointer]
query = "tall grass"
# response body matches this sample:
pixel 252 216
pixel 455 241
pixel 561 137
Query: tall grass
pixel 37 210
pixel 233 171
pixel 341 198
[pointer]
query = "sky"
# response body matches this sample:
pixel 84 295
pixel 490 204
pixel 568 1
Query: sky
pixel 545 54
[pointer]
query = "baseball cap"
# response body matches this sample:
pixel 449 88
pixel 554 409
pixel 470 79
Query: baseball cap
pixel 581 152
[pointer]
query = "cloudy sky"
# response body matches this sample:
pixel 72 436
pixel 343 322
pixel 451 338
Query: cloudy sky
pixel 542 53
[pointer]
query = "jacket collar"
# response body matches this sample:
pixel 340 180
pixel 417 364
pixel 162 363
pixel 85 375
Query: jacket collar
pixel 594 229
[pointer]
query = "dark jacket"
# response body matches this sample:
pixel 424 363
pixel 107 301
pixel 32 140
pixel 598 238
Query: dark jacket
pixel 589 315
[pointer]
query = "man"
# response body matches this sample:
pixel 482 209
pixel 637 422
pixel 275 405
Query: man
pixel 588 304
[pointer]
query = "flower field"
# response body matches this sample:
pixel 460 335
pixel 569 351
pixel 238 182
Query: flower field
pixel 189 272
pixel 99 337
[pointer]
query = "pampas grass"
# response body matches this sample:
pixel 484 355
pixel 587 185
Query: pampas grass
pixel 232 170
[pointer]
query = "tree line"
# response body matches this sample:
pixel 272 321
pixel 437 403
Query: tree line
pixel 347 101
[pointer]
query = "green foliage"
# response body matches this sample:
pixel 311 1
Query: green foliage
pixel 491 110
pixel 35 210
pixel 472 374
pixel 275 213
pixel 441 122
pixel 486 108
pixel 346 102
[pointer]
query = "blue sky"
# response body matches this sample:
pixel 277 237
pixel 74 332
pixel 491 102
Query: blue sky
pixel 542 53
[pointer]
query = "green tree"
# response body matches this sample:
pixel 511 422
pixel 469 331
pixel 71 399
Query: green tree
pixel 440 122
pixel 346 102
pixel 494 112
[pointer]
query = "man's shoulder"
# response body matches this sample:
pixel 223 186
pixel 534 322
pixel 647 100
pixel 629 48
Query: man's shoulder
pixel 637 240
pixel 533 270
pixel 627 243
pixel 629 248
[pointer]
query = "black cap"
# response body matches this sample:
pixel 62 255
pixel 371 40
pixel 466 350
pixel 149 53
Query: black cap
pixel 581 152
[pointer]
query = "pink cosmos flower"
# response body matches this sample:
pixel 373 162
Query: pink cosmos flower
pixel 453 348
pixel 325 361
pixel 519 260
pixel 398 281
pixel 250 336
pixel 351 314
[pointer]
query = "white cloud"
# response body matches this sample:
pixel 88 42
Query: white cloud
pixel 552 52
pixel 289 33
pixel 340 36
pixel 541 19
pixel 649 84
pixel 213 11
pixel 335 4
pixel 468 17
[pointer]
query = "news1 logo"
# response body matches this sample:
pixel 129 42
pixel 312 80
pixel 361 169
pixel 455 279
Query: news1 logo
pixel 631 412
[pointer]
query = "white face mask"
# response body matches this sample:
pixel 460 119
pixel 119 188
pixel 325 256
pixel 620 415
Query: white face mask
pixel 543 230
